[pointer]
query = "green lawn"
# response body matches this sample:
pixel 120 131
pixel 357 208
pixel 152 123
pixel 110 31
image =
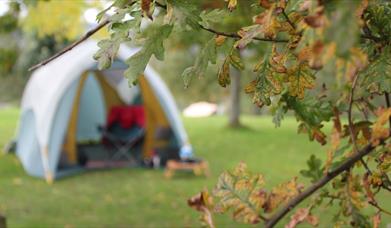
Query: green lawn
pixel 143 198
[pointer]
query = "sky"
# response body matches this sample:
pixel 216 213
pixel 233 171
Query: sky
pixel 3 6
pixel 89 15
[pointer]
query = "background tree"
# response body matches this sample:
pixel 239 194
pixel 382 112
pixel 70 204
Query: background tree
pixel 302 44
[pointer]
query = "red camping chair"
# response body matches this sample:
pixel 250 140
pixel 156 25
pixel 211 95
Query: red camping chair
pixel 124 129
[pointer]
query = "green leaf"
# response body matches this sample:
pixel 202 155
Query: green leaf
pixel 206 55
pixel 377 76
pixel 314 171
pixel 107 52
pixel 153 45
pixel 267 84
pixel 187 11
pixel 212 17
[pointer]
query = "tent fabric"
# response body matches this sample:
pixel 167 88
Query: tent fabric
pixel 154 115
pixel 71 136
pixel 48 105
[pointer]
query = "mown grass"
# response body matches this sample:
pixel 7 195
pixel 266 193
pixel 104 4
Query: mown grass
pixel 143 198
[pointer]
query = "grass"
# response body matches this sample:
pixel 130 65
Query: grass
pixel 143 198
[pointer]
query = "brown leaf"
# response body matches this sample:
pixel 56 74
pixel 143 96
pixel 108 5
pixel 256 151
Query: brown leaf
pixel 317 19
pixel 223 76
pixel 367 188
pixel 202 202
pixel 361 126
pixel 298 217
pixel 306 5
pixel 247 34
pixel 319 136
pixel 313 55
pixel 265 4
pixel 146 8
pixel 376 219
pixel 313 220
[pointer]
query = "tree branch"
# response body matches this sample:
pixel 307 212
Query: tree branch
pixel 72 45
pixel 236 36
pixel 232 35
pixel 346 165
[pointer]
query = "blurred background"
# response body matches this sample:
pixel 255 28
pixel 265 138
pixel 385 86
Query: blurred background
pixel 232 129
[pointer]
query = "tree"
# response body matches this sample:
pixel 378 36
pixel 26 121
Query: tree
pixel 234 115
pixel 301 45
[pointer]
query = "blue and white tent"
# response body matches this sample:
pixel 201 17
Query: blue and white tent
pixel 65 100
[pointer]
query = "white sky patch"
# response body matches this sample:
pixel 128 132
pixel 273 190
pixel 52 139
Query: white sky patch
pixel 3 7
pixel 90 15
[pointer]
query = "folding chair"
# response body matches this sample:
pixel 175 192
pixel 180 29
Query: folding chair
pixel 121 145
pixel 124 130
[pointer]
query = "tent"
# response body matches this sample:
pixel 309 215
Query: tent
pixel 65 100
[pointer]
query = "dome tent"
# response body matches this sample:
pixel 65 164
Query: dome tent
pixel 65 100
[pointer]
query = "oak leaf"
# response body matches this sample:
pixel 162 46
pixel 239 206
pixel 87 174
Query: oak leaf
pixel 203 203
pixel 146 8
pixel 232 4
pixel 300 78
pixel 379 131
pixel 241 192
pixel 302 215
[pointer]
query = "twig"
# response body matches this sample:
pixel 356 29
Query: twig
pixel 236 36
pixel 288 20
pixel 72 45
pixel 232 35
pixel 350 121
pixel 346 165
pixel 375 204
pixel 386 95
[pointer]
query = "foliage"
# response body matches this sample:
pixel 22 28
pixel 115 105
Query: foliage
pixel 301 44
pixel 65 19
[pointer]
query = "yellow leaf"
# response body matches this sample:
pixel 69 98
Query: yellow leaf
pixel 282 193
pixel 223 76
pixel 380 132
pixel 241 192
pixel 220 40
pixel 300 79
pixel 232 4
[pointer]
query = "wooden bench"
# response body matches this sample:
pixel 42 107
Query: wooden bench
pixel 197 167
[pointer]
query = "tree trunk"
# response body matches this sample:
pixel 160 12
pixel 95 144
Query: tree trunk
pixel 3 223
pixel 234 114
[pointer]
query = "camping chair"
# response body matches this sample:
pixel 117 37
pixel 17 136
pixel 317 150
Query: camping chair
pixel 124 130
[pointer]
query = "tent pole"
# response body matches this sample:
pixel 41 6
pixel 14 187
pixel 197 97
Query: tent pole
pixel 45 162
